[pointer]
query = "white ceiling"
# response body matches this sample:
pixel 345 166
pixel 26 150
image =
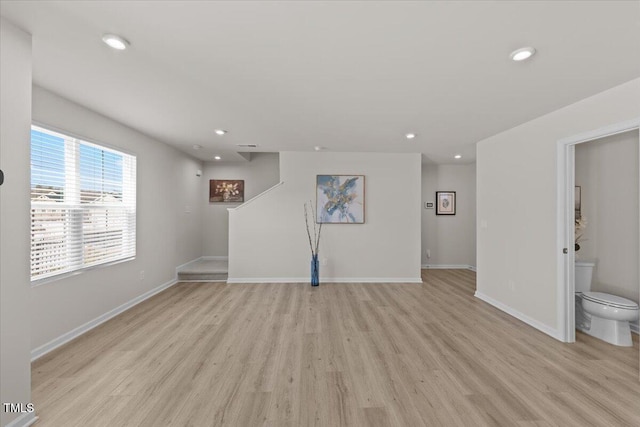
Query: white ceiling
pixel 348 76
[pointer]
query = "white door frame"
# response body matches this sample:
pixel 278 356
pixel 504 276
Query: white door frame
pixel 566 223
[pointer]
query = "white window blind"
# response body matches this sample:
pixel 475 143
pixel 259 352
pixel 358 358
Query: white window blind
pixel 83 204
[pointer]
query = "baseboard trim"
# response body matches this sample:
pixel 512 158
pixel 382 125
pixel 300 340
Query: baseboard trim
pixel 65 338
pixel 449 266
pixel 24 420
pixel 213 258
pixel 240 280
pixel 522 317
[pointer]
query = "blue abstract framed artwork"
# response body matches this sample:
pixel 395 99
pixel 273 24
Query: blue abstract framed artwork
pixel 340 199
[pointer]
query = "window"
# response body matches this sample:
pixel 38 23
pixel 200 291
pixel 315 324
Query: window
pixel 83 204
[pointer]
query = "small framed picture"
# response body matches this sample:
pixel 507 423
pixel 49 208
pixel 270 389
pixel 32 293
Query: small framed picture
pixel 445 202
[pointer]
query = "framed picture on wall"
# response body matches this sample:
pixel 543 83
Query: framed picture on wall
pixel 340 199
pixel 226 190
pixel 445 202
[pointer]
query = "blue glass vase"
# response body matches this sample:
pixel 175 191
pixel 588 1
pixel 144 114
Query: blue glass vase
pixel 315 271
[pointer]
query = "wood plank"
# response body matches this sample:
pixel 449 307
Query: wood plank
pixel 211 354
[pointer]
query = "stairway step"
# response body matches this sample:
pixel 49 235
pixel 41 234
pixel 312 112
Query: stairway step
pixel 205 271
pixel 203 277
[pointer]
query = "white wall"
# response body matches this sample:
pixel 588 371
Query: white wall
pixel 259 174
pixel 15 122
pixel 268 239
pixel 607 171
pixel 450 239
pixel 518 255
pixel 168 223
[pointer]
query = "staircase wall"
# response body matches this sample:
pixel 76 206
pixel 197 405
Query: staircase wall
pixel 259 174
pixel 268 241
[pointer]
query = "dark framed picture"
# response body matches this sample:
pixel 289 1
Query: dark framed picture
pixel 445 202
pixel 226 190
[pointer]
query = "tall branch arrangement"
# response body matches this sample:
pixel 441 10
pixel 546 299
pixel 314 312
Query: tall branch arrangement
pixel 314 242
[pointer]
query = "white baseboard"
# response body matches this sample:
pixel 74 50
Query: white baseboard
pixel 450 266
pixel 23 420
pixel 325 280
pixel 523 317
pixel 213 258
pixel 65 338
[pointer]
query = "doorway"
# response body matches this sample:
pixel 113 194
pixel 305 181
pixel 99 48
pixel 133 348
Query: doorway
pixel 566 221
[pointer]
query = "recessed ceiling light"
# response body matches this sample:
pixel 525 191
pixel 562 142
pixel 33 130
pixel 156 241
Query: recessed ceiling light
pixel 457 156
pixel 522 53
pixel 115 42
pixel 410 135
pixel 318 148
pixel 217 157
pixel 197 147
pixel 220 132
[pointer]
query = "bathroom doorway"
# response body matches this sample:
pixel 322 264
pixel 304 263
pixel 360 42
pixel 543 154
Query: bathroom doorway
pixel 566 212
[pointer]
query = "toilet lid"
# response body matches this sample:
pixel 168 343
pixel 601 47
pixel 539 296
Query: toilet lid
pixel 608 299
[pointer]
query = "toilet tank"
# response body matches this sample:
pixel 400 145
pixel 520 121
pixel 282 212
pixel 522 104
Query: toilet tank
pixel 584 274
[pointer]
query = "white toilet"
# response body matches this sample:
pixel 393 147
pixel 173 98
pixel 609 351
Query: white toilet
pixel 601 315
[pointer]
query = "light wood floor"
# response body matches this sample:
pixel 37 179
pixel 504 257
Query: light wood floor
pixel 338 355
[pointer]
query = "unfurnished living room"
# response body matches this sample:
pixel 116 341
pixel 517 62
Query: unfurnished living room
pixel 319 213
